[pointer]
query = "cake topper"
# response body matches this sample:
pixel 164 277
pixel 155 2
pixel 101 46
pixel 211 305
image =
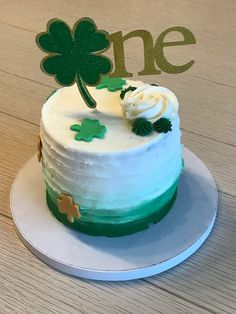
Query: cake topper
pixel 75 55
pixel 153 51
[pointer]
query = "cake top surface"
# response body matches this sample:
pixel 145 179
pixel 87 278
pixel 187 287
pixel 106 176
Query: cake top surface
pixel 66 107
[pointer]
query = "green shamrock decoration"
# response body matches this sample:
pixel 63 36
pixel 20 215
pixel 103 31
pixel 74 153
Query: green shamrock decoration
pixel 74 55
pixel 88 130
pixel 126 90
pixel 112 83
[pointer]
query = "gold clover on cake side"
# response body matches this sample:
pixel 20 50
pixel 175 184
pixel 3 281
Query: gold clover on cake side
pixel 67 206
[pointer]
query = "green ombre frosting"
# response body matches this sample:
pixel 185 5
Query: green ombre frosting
pixel 115 223
pixel 123 182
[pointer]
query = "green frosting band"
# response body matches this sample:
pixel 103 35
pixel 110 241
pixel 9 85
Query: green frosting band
pixel 120 222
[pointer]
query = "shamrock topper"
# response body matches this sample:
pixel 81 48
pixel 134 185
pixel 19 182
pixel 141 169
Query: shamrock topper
pixel 74 55
pixel 88 130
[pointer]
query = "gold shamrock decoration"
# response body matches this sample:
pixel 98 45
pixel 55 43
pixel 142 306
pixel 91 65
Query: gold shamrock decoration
pixel 67 206
pixel 39 146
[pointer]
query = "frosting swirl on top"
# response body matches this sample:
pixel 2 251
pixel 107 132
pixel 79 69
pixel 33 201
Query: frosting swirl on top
pixel 150 102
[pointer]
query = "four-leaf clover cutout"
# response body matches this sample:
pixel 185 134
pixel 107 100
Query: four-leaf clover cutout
pixel 75 55
pixel 88 130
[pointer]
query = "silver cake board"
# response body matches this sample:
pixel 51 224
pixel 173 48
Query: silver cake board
pixel 152 251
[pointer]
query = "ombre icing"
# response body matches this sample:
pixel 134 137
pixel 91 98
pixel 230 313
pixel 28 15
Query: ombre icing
pixel 121 181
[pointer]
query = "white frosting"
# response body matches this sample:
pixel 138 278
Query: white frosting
pixel 150 102
pixel 119 171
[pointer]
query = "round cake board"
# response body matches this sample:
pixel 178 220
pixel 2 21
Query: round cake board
pixel 152 251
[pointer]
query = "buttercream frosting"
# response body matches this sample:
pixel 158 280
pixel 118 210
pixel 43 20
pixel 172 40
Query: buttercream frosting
pixel 150 102
pixel 118 172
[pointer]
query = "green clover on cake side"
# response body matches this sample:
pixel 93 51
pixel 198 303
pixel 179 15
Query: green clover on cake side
pixel 121 223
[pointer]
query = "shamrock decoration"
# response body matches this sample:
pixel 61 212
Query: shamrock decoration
pixel 74 55
pixel 67 206
pixel 88 130
pixel 112 83
pixel 126 90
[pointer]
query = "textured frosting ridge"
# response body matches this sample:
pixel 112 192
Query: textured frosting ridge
pixel 116 173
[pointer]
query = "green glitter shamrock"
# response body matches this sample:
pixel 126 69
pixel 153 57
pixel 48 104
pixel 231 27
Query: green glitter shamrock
pixel 88 130
pixel 74 55
pixel 112 83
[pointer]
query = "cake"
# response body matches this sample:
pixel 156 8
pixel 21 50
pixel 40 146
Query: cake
pixel 112 170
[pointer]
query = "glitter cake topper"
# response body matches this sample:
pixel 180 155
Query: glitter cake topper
pixel 75 56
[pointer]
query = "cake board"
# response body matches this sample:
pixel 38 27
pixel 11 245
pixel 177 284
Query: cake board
pixel 152 251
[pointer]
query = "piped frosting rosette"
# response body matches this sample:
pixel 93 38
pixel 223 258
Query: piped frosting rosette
pixel 150 102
